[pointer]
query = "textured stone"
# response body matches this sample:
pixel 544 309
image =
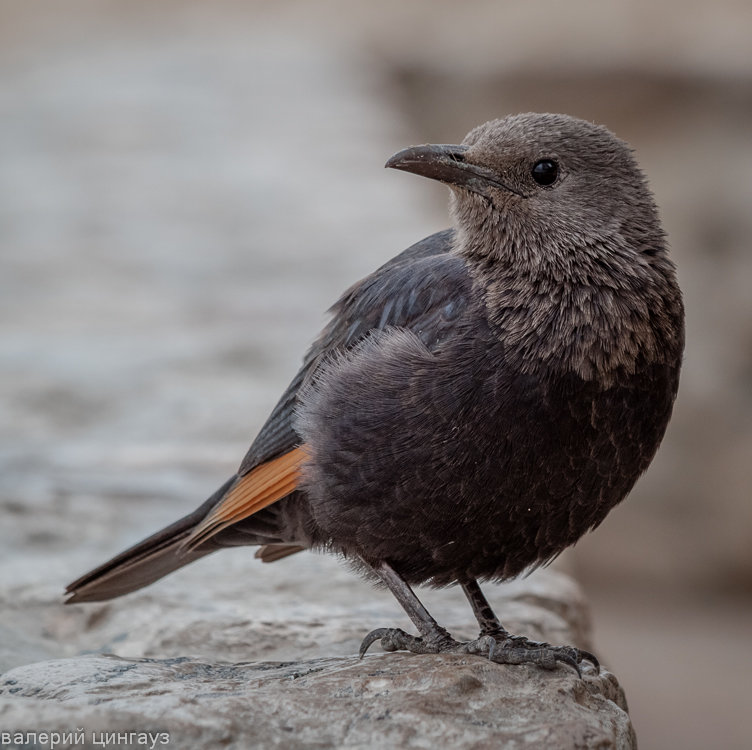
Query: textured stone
pixel 386 700
pixel 273 665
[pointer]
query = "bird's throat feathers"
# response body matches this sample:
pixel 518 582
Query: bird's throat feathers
pixel 589 305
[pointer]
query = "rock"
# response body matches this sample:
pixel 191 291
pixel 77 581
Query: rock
pixel 334 700
pixel 386 700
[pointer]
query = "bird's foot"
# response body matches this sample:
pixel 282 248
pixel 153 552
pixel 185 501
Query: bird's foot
pixel 504 648
pixel 394 639
pixel 499 646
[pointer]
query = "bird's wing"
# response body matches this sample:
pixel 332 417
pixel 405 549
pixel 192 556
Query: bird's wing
pixel 423 288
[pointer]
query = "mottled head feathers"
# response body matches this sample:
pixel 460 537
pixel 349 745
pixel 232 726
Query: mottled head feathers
pixel 568 239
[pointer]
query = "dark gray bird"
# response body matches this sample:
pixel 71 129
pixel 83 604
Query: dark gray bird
pixel 476 404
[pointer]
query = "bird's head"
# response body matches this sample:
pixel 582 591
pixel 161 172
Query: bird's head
pixel 544 191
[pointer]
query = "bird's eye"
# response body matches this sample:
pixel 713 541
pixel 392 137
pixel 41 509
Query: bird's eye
pixel 545 171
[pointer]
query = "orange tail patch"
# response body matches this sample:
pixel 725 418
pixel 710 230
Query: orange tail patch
pixel 263 486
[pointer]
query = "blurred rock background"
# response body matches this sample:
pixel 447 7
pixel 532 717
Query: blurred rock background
pixel 185 187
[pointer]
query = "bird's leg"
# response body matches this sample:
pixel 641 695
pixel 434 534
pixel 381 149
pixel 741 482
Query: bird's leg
pixel 502 647
pixel 433 638
pixel 494 641
pixel 488 621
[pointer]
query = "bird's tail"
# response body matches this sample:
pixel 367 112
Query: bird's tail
pixel 197 534
pixel 146 561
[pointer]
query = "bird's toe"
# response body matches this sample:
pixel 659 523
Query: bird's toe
pixel 395 639
pixel 504 648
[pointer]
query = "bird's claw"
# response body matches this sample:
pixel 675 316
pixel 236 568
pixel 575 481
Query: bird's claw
pixel 504 648
pixel 395 639
pixel 500 647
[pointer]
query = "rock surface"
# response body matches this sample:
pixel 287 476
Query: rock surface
pixel 259 666
pixel 384 701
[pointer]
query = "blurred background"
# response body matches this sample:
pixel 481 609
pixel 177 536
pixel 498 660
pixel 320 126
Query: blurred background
pixel 185 187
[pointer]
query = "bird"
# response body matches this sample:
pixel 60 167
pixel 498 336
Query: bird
pixel 475 405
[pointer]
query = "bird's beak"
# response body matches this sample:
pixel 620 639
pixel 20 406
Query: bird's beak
pixel 448 164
